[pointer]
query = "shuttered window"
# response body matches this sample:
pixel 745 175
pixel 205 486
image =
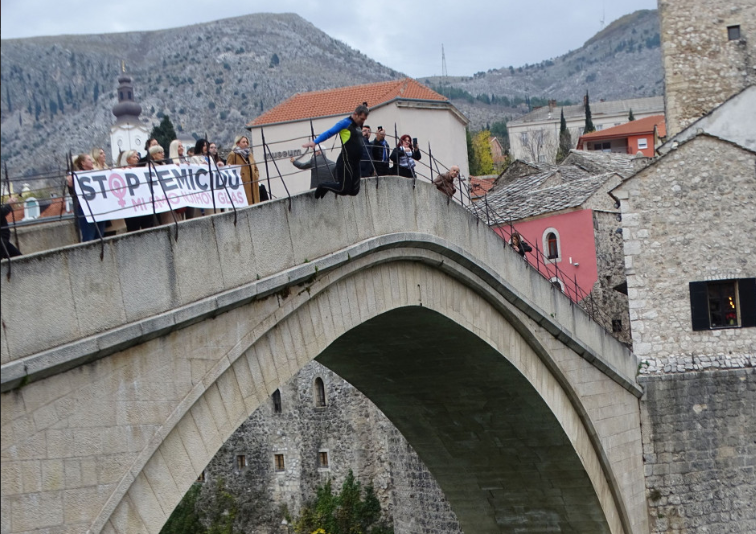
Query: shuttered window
pixel 723 304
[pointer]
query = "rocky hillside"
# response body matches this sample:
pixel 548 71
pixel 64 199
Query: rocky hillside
pixel 58 92
pixel 621 61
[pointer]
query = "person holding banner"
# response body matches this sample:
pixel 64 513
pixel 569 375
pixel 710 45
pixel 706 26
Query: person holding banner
pixel 88 231
pixel 250 175
pixel 176 153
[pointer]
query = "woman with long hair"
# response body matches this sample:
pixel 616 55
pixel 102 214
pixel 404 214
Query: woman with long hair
pixel 242 155
pixel 200 152
pixel 404 157
pixel 176 153
pixel 99 158
pixel 88 231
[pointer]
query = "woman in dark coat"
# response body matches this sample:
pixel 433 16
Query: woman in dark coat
pixel 404 157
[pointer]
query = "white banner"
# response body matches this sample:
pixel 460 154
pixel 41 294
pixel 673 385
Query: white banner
pixel 124 193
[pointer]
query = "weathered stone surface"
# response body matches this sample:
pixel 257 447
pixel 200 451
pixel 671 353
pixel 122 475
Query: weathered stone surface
pixel 702 68
pixel 698 451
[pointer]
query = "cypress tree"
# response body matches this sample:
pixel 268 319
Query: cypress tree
pixel 631 117
pixel 565 140
pixel 164 133
pixel 589 127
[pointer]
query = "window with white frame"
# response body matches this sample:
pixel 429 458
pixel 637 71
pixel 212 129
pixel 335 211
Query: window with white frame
pixel 552 246
pixel 642 143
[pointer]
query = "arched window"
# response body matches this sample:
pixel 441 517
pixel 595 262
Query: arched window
pixel 120 95
pixel 129 95
pixel 320 396
pixel 552 246
pixel 277 401
pixel 551 241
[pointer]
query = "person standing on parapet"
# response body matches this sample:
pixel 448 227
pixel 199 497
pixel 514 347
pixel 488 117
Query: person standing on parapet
pixel 348 164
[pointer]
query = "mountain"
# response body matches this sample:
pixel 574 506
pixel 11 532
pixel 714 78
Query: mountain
pixel 58 92
pixel 621 61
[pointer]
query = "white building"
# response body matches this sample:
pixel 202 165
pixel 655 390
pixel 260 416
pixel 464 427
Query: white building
pixel 406 105
pixel 535 137
pixel 128 133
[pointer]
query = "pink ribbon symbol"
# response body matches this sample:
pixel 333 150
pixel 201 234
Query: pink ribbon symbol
pixel 118 188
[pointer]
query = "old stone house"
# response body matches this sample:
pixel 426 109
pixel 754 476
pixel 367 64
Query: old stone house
pixel 316 428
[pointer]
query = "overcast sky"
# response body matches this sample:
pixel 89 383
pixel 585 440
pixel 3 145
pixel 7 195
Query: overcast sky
pixel 477 35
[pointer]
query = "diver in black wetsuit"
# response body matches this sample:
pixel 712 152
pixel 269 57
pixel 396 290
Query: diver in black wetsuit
pixel 348 165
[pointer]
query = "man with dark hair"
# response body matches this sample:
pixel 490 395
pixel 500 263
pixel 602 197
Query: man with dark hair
pixel 381 153
pixel 366 164
pixel 348 164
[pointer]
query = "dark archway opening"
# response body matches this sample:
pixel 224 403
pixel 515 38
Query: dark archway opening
pixel 490 440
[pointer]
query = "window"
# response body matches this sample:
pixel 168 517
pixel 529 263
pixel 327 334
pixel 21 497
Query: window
pixel 604 147
pixel 129 93
pixel 552 246
pixel 723 304
pixel 31 209
pixel 241 461
pixel 524 138
pixel 642 143
pixel 323 459
pixel 320 397
pixel 120 95
pixel 733 33
pixel 599 127
pixel 276 401
pixel 616 325
pixel 280 465
pixel 551 240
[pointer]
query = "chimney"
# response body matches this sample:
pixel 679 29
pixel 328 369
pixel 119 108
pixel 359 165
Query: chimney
pixel 552 105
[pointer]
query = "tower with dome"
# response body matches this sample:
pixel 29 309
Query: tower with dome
pixel 128 132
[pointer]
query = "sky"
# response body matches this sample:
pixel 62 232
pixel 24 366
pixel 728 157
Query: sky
pixel 476 35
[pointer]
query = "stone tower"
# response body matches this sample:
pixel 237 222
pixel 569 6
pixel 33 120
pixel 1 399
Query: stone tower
pixel 128 133
pixel 709 55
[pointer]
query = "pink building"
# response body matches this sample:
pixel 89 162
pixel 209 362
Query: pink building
pixel 566 215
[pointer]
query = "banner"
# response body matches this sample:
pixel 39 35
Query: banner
pixel 133 192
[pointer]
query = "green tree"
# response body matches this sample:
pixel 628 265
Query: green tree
pixel 589 127
pixel 565 140
pixel 630 116
pixel 185 519
pixel 164 133
pixel 482 157
pixel 346 512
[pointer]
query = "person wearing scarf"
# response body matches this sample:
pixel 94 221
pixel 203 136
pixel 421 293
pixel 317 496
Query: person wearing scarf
pixel 242 155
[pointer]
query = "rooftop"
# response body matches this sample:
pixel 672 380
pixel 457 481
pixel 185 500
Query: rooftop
pixel 343 100
pixel 597 162
pixel 548 191
pixel 598 109
pixel 636 127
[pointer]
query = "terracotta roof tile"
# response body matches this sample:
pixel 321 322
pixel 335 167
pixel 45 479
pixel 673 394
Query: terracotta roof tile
pixel 639 126
pixel 480 186
pixel 344 99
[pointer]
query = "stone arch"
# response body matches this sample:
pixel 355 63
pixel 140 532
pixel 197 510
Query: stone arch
pixel 300 330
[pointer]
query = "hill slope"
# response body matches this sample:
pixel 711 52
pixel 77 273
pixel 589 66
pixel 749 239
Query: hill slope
pixel 621 61
pixel 58 92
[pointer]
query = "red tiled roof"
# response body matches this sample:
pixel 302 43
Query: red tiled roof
pixel 344 99
pixel 480 186
pixel 636 127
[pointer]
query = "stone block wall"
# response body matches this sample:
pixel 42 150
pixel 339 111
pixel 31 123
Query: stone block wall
pixel 699 451
pixel 702 67
pixel 354 433
pixel 685 218
pixel 612 304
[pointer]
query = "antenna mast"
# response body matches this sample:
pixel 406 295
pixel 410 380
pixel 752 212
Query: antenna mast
pixel 443 62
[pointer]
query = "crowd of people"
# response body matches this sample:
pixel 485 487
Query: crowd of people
pixel 360 157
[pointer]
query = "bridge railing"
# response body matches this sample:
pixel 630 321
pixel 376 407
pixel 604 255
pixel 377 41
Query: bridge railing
pixel 425 169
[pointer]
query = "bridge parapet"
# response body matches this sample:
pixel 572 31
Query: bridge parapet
pixel 148 283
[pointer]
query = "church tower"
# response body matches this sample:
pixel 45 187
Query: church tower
pixel 128 133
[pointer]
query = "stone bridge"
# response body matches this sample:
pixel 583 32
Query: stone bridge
pixel 123 376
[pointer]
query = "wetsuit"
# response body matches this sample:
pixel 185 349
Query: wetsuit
pixel 348 164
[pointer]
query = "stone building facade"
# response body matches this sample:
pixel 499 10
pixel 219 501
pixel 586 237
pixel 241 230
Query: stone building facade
pixel 351 431
pixel 685 219
pixel 688 222
pixel 709 55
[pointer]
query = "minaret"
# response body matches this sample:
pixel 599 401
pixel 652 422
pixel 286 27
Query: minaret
pixel 128 133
